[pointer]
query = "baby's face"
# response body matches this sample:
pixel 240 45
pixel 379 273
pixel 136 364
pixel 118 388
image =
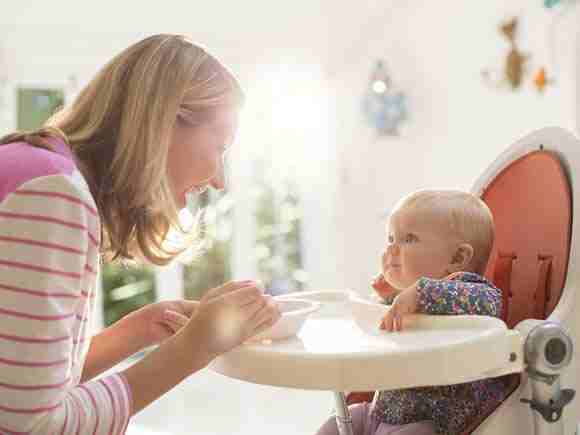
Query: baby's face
pixel 417 246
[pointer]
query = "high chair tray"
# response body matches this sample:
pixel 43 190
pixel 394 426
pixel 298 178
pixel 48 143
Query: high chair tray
pixel 340 348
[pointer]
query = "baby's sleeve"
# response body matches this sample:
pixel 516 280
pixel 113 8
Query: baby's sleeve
pixel 45 232
pixel 440 296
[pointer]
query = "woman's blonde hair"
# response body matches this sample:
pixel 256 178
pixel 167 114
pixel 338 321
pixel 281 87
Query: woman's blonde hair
pixel 466 215
pixel 119 128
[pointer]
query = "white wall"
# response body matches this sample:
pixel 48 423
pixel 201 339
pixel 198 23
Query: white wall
pixel 436 52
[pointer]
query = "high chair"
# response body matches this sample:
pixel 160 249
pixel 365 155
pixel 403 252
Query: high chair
pixel 531 190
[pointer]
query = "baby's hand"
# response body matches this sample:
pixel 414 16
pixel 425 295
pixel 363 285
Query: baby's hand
pixel 383 289
pixel 405 303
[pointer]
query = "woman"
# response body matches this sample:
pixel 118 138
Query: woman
pixel 107 176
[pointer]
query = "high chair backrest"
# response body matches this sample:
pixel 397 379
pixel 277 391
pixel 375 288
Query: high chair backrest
pixel 531 189
pixel 531 204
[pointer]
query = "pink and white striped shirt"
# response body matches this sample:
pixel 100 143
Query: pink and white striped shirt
pixel 49 238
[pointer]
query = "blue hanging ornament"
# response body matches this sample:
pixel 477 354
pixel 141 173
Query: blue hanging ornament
pixel 383 106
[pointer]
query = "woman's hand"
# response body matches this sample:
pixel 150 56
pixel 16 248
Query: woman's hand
pixel 405 303
pixel 224 318
pixel 150 324
pixel 227 316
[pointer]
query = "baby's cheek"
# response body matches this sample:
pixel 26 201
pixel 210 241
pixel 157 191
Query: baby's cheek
pixel 415 268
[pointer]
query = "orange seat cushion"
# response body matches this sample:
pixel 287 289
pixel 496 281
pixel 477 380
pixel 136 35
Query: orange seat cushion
pixel 531 205
pixel 532 209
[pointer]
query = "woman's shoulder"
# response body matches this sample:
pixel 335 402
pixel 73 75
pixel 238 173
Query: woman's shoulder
pixel 21 163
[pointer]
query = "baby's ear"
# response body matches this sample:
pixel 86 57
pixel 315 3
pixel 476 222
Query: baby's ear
pixel 462 257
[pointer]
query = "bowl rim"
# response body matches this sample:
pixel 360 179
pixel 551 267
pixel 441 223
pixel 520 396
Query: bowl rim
pixel 311 307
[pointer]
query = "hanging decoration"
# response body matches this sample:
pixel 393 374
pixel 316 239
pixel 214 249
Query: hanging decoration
pixel 540 80
pixel 515 61
pixel 514 70
pixel 550 4
pixel 384 106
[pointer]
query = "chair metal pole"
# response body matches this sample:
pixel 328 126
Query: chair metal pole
pixel 343 417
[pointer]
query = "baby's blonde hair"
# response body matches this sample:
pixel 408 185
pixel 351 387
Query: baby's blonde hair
pixel 468 217
pixel 120 126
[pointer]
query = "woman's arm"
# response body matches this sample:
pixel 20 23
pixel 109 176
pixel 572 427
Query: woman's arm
pixel 111 346
pixel 159 371
pixel 226 317
pixel 47 230
pixel 142 328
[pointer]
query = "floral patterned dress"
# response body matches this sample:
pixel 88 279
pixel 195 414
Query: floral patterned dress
pixel 451 407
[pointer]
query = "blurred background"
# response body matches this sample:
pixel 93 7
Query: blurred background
pixel 350 105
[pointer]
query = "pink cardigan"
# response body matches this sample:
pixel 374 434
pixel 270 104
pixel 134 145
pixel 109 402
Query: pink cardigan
pixel 49 238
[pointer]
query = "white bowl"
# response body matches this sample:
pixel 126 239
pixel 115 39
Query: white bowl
pixel 334 302
pixel 294 314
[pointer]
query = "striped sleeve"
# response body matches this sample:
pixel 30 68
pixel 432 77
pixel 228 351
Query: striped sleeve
pixel 46 233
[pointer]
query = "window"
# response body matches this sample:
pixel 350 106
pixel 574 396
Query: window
pixel 36 105
pixel 125 289
pixel 212 266
pixel 277 250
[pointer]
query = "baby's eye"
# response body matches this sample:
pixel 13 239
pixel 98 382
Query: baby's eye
pixel 390 240
pixel 410 238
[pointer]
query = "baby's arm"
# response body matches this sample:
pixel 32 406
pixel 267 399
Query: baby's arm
pixel 436 296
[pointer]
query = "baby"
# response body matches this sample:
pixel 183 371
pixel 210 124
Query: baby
pixel 438 245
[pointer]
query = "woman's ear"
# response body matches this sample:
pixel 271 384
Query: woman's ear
pixel 462 258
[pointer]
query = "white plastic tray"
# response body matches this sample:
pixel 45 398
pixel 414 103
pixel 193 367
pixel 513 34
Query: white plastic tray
pixel 340 348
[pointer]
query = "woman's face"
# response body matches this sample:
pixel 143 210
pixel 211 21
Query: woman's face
pixel 196 152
